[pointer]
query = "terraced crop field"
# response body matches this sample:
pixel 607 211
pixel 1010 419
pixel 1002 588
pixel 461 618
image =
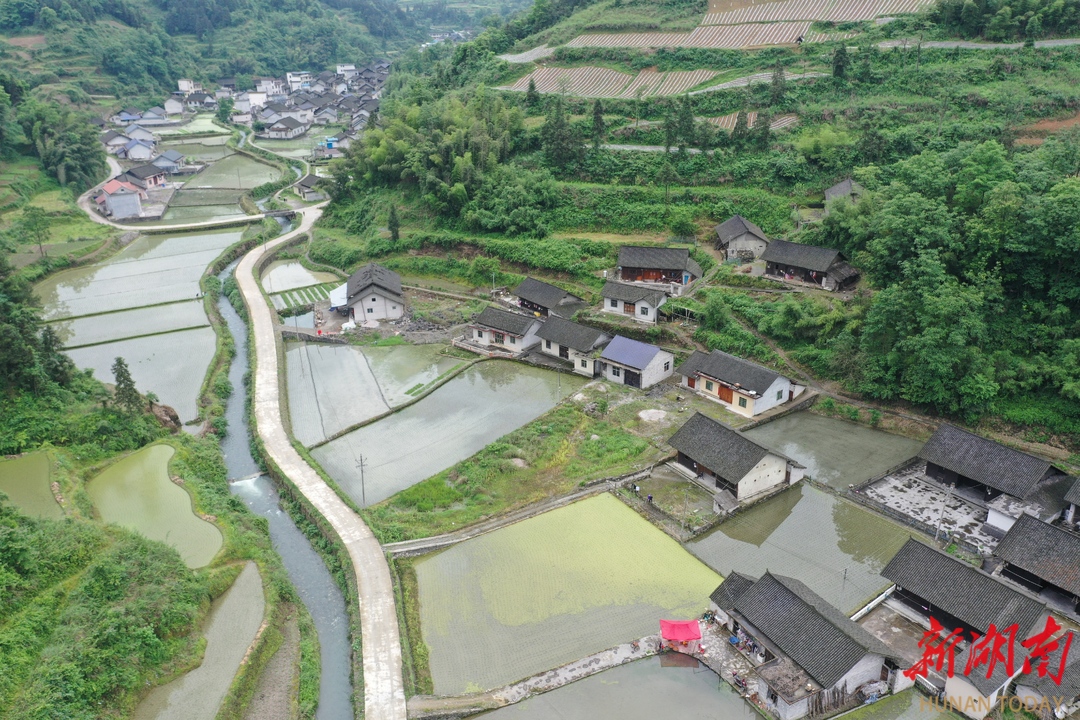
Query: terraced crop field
pixel 822 10
pixel 605 83
pixel 727 122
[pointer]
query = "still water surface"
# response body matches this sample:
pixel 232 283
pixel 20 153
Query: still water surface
pixel 25 480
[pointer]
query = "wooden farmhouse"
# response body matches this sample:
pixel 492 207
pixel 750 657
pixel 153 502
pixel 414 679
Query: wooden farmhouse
pixel 739 385
pixel 670 266
pixel 637 364
pixel 819 266
pixel 546 299
pixel 740 239
pixel 371 293
pixel 1043 558
pixel 504 331
pixel 578 344
pixel 637 302
pixel 809 658
pixel 731 466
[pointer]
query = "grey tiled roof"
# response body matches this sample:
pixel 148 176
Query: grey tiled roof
pixel 735 226
pixel 1044 550
pixel 563 332
pixel 309 181
pixel 505 321
pixel 844 188
pixel 372 274
pixel 716 446
pixel 810 257
pixel 728 592
pixel 985 461
pixel 1070 678
pixel 977 676
pixel 631 293
pixel 289 122
pixel 1073 495
pixel 629 352
pixel 819 638
pixel 543 294
pixel 145 171
pixel 730 369
pixel 961 589
pixel 661 258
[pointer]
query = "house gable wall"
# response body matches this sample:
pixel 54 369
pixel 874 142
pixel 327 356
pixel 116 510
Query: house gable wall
pixel 619 308
pixel 375 305
pixel 746 244
pixel 767 474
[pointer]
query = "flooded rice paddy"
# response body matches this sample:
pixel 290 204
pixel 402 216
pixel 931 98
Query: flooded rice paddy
pixel 235 171
pixel 136 492
pixel 25 480
pixel 641 690
pixel 332 387
pixel 200 150
pixel 231 627
pixel 199 124
pixel 834 546
pixel 457 420
pixel 282 275
pixel 200 213
pixel 94 329
pixel 908 705
pixel 835 452
pixel 550 590
pixel 152 270
pixel 172 365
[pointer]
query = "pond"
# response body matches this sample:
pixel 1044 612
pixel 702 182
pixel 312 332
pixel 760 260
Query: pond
pixel 282 275
pixel 94 329
pixel 235 171
pixel 25 480
pixel 332 387
pixel 454 422
pixel 641 690
pixel 154 269
pixel 172 365
pixel 834 546
pixel 231 627
pixel 199 124
pixel 201 149
pixel 200 213
pixel 550 590
pixel 907 705
pixel 136 492
pixel 834 451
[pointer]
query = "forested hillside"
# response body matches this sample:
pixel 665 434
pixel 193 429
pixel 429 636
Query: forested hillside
pixel 964 235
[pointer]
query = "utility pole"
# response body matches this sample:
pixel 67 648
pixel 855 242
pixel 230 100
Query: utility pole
pixel 363 490
pixel 941 517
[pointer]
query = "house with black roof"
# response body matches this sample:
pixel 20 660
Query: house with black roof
pixel 371 293
pixel 846 189
pixel 740 239
pixel 1043 558
pixel 670 266
pixel 144 176
pixel 286 128
pixel 1072 502
pixel 731 466
pixel 545 299
pixel 502 331
pixel 637 364
pixel 578 344
pixel 638 302
pixel 819 266
pixel 723 598
pixel 1059 689
pixel 308 188
pixel 741 386
pixel 809 658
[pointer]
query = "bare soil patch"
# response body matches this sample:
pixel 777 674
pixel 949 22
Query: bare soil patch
pixel 1035 133
pixel 27 41
pixel 275 697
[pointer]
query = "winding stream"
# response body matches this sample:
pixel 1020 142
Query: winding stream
pixel 313 582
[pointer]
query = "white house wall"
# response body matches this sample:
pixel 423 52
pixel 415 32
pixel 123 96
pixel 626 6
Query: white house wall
pixel 661 367
pixel 575 357
pixel 746 243
pixel 619 309
pixel 771 472
pixel 374 305
pixel 958 691
pixel 866 670
pixel 123 205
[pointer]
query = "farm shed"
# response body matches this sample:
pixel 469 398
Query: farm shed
pixel 571 341
pixel 730 465
pixel 640 303
pixel 307 188
pixel 739 385
pixel 808 263
pixel 740 239
pixel 673 266
pixel 637 364
pixel 1043 558
pixel 503 330
pixel 371 293
pixel 544 298
pixel 809 657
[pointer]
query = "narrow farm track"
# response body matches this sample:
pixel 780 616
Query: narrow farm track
pixel 757 78
pixel 384 691
pixel 965 45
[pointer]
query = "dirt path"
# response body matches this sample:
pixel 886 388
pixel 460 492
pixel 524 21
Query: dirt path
pixel 966 45
pixel 273 699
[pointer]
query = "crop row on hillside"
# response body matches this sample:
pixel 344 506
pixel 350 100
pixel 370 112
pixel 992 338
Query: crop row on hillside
pixel 727 122
pixel 605 83
pixel 730 37
pixel 819 10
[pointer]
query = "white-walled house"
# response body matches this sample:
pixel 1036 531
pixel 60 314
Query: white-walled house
pixel 740 239
pixel 725 460
pixel 173 106
pixel 811 656
pixel 371 293
pixel 286 128
pixel 741 386
pixel 633 301
pixel 637 364
pixel 503 330
pixel 578 344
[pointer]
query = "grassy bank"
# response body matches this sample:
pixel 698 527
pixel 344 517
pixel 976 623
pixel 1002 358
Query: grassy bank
pixel 407 598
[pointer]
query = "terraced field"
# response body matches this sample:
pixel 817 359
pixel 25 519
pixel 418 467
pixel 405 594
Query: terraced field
pixel 827 10
pixel 605 83
pixel 727 122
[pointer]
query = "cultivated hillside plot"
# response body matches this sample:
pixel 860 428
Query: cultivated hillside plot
pixel 730 37
pixel 602 82
pixel 727 122
pixel 832 10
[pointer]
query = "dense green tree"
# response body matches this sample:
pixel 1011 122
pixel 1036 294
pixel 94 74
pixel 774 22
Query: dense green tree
pixel 127 397
pixel 34 227
pixel 532 97
pixel 667 176
pixel 763 130
pixel 393 224
pixel 30 357
pixel 224 111
pixel 778 85
pixel 64 141
pixel 599 127
pixel 560 141
pixel 685 124
pixel 741 131
pixel 840 62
